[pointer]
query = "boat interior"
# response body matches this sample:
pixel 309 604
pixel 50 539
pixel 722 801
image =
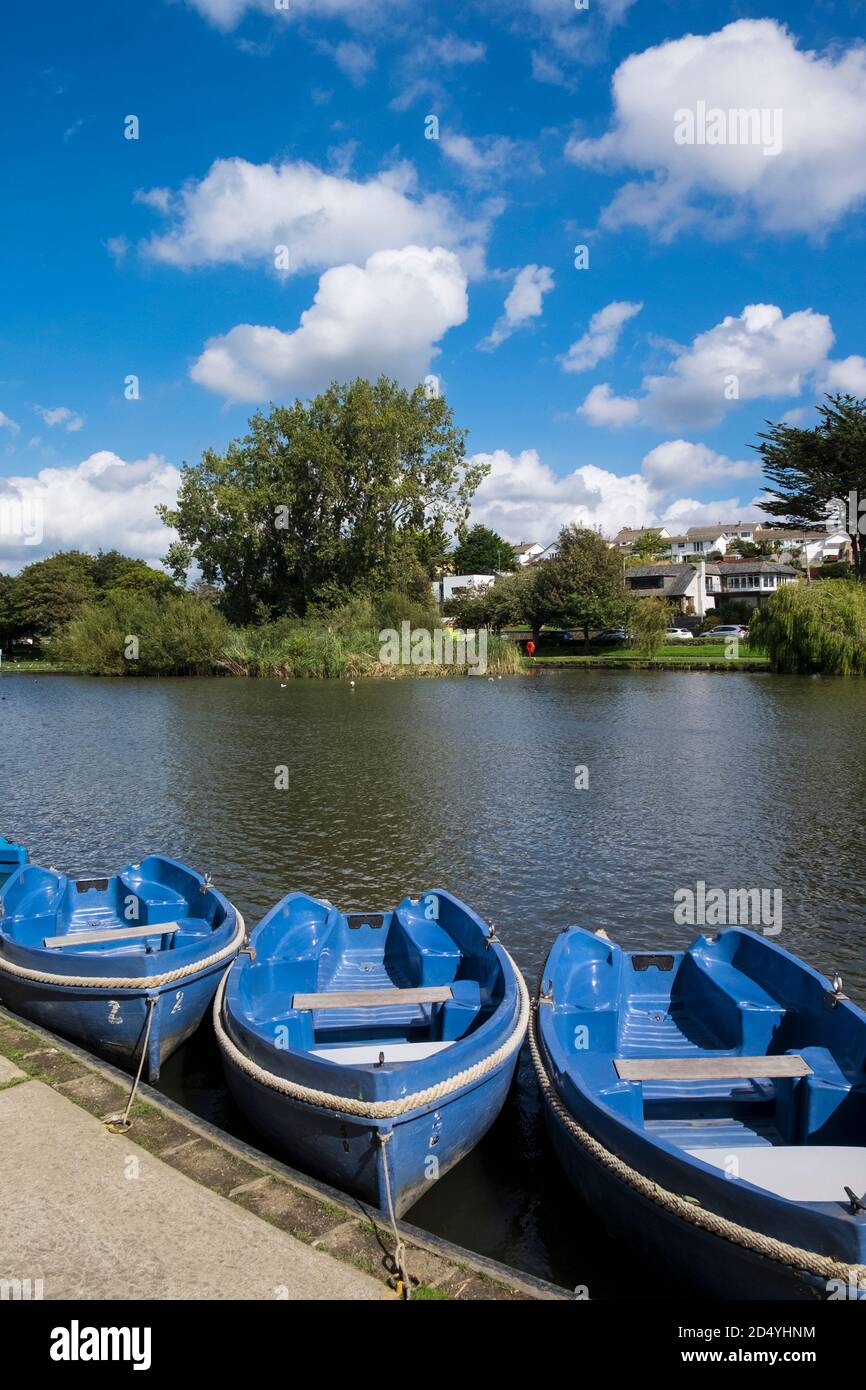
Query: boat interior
pixel 733 1051
pixel 157 905
pixel 362 988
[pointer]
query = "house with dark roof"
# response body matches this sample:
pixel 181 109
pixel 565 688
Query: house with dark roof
pixel 750 582
pixel 682 585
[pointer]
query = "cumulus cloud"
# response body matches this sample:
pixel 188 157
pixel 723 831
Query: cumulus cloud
pixel 385 316
pixel 523 499
pixel 602 407
pixel 760 352
pixel 679 463
pixel 239 212
pixel 847 376
pixel 601 337
pixel 523 303
pixel 686 512
pixel 102 501
pixel 60 415
pixel 8 424
pixel 819 173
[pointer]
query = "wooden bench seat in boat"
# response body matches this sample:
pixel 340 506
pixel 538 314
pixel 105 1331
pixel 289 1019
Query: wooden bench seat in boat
pixel 802 1173
pixel 372 998
pixel 709 1068
pixel 368 1054
pixel 93 938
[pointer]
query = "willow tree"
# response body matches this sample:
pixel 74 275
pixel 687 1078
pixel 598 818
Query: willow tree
pixel 350 492
pixel 814 628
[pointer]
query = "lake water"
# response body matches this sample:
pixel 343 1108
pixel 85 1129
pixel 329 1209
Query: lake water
pixel 749 781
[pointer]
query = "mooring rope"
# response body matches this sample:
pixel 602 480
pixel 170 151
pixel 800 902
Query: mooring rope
pixel 823 1266
pixel 138 982
pixel 123 1124
pixel 375 1109
pixel 399 1243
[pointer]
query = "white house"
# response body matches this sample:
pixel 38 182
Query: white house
pixel 627 535
pixel 526 552
pixel 702 540
pixel 450 584
pixel 686 586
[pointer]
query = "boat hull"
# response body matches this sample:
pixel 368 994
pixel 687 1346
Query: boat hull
pixel 113 1024
pixel 349 1153
pixel 709 1265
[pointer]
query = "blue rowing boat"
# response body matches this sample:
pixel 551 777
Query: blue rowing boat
pixel 372 1048
pixel 12 856
pixel 710 1104
pixel 121 963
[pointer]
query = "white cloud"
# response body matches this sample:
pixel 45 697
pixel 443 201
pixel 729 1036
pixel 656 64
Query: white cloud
pixel 602 407
pixel 601 337
pixel 819 174
pixel 239 212
pixel 488 157
pixel 523 499
pixel 686 512
pixel 7 424
pixel 847 376
pixel 678 463
pixel 227 14
pixel 760 352
pixel 452 51
pixel 385 316
pixel 60 415
pixel 523 302
pixel 353 59
pixel 102 501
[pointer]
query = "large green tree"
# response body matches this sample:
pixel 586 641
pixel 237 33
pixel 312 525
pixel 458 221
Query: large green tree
pixel 345 493
pixel 583 586
pixel 482 551
pixel 48 593
pixel 806 470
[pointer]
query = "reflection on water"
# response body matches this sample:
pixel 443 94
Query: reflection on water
pixel 397 786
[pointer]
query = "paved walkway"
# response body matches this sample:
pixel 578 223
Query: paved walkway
pixel 94 1216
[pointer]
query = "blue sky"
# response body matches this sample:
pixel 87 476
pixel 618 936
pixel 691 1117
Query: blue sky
pixel 599 394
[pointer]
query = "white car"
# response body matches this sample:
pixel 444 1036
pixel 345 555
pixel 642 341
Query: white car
pixel 679 634
pixel 726 632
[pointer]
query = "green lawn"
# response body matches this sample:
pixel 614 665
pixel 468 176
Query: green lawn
pixel 675 653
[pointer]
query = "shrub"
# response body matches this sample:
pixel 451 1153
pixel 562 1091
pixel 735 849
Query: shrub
pixel 174 636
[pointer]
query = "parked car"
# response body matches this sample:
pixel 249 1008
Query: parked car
pixel 611 634
pixel 679 634
pixel 557 635
pixel 725 632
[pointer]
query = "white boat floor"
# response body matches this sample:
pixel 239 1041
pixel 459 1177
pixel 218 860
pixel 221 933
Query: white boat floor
pixel 802 1173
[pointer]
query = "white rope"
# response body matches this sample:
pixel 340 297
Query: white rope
pixel 138 982
pixel 122 1124
pixel 823 1266
pixel 375 1109
pixel 399 1243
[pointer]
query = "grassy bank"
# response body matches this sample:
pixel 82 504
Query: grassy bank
pixel 681 655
